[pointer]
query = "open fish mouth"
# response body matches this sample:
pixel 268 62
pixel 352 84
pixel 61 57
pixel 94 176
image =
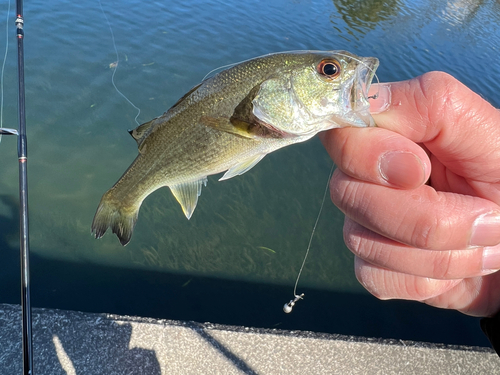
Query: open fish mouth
pixel 360 106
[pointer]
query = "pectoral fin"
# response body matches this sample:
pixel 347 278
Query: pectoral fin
pixel 187 195
pixel 243 122
pixel 242 167
pixel 223 124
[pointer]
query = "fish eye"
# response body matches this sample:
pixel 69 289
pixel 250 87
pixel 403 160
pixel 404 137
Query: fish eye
pixel 329 68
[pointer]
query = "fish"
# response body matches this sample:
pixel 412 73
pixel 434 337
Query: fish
pixel 230 121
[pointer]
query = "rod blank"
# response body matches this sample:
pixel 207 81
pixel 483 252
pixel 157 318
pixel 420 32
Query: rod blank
pixel 23 201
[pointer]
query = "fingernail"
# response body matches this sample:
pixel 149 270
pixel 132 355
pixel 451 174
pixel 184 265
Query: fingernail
pixel 486 230
pixel 402 169
pixel 491 259
pixel 383 98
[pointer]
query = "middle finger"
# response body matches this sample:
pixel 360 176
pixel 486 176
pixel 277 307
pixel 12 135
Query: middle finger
pixel 421 218
pixel 394 256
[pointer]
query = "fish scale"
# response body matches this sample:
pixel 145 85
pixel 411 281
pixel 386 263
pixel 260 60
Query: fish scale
pixel 230 121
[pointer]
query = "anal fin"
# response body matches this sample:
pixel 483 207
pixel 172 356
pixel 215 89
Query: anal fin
pixel 242 167
pixel 187 194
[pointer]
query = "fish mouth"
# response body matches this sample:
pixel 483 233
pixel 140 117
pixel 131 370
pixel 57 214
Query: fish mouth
pixel 360 107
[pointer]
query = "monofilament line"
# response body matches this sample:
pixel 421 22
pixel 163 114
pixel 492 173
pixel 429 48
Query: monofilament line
pixel 3 66
pixel 116 65
pixel 288 306
pixel 314 230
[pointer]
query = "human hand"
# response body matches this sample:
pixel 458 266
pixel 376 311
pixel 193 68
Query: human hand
pixel 437 242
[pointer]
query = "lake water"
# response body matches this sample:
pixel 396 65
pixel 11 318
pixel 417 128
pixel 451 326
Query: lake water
pixel 236 260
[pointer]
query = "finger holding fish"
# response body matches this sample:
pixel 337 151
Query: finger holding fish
pixel 475 296
pixel 436 242
pixel 397 257
pixel 422 217
pixel 443 214
pixel 379 156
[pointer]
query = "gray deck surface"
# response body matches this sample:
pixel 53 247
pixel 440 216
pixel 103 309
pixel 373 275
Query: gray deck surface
pixel 69 342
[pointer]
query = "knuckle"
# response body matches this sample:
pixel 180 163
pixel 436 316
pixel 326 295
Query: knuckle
pixel 369 278
pixel 441 98
pixel 343 191
pixel 425 232
pixel 442 265
pixel 433 233
pixel 423 288
pixel 436 227
pixel 358 240
pixel 351 239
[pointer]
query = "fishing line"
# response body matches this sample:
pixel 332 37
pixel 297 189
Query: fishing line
pixel 222 67
pixel 287 308
pixel 5 131
pixel 3 67
pixel 115 67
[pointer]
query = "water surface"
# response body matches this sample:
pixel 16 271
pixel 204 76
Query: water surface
pixel 236 260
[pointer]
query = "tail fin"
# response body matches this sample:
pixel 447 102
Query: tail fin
pixel 112 214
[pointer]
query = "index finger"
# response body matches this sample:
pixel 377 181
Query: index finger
pixel 456 125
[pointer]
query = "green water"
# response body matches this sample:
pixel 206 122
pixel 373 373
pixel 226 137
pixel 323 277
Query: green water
pixel 236 260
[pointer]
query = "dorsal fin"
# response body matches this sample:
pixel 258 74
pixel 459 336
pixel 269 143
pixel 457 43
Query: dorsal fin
pixel 186 95
pixel 139 133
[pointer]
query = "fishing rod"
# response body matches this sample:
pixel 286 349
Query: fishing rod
pixel 23 201
pixel 27 337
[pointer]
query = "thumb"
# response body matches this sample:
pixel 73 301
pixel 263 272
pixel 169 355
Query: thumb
pixel 456 125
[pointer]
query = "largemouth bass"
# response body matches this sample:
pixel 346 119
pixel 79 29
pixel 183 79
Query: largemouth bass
pixel 230 121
